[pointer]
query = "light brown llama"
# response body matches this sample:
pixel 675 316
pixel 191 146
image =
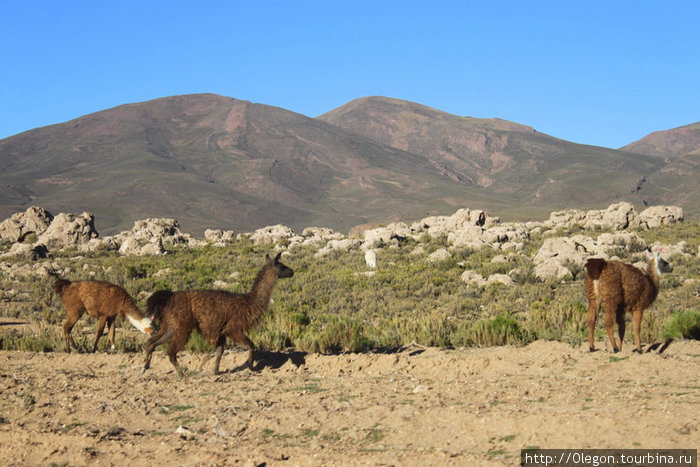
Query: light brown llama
pixel 103 301
pixel 215 314
pixel 621 288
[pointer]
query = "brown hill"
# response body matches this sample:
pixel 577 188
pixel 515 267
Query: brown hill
pixel 669 143
pixel 213 161
pixel 500 157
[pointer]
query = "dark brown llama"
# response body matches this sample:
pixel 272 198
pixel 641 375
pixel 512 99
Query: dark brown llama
pixel 102 301
pixel 215 314
pixel 621 288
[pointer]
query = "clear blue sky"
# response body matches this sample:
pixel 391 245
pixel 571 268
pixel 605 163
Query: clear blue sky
pixel 602 72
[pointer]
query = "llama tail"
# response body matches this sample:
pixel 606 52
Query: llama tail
pixel 156 302
pixel 59 286
pixel 594 267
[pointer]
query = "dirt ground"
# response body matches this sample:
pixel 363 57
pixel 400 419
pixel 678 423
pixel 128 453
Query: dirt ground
pixel 416 406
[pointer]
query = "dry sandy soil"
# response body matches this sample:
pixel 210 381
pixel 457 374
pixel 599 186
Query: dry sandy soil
pixel 413 407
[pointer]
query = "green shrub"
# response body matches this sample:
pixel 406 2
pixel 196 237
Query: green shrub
pixel 683 325
pixel 501 330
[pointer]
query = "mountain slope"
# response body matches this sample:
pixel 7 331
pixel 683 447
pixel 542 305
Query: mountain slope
pixel 500 157
pixel 669 143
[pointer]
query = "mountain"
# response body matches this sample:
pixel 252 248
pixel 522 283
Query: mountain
pixel 214 161
pixel 509 161
pixel 670 143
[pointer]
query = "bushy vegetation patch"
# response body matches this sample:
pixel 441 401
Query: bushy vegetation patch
pixel 334 303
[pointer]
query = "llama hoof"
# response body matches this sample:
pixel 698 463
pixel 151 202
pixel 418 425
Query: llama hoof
pixel 591 349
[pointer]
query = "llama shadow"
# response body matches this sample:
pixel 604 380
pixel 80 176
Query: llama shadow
pixel 273 360
pixel 659 345
pixel 13 323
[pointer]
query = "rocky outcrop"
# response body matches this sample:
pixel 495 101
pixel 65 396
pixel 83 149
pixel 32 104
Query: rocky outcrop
pixel 656 216
pixel 148 237
pixel 34 220
pixel 69 231
pixel 561 256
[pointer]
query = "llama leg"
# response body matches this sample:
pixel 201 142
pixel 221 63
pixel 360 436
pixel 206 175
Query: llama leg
pixel 100 329
pixel 593 308
pixel 243 340
pixel 176 344
pixel 609 323
pixel 111 325
pixel 247 342
pixel 620 318
pixel 71 319
pixel 220 343
pixel 161 337
pixel 637 317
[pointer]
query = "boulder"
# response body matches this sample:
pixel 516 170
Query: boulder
pixel 138 247
pixel 501 279
pixel 272 234
pixel 346 244
pixel 438 256
pixel 34 220
pixel 473 278
pixel 69 230
pixel 616 217
pixel 392 234
pixel 656 216
pixel 25 251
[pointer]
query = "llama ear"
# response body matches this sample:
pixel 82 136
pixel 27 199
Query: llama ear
pixel 277 258
pixel 267 257
pixel 648 254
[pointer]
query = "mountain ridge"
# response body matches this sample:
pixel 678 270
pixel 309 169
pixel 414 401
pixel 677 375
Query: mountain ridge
pixel 215 161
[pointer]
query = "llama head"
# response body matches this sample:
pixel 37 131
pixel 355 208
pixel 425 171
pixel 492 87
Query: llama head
pixel 662 266
pixel 281 270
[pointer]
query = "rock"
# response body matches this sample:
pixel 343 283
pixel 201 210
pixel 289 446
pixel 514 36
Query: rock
pixel 439 256
pixel 444 225
pixel 656 216
pixel 392 234
pixel 551 270
pixel 502 279
pixel 347 244
pixel 316 236
pixel 472 277
pixel 34 220
pixel 69 230
pixel 218 235
pixel 272 234
pixel 616 217
pixel 139 247
pixel 28 252
pixel 554 252
pixel 467 237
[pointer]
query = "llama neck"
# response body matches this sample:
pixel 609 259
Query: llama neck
pixel 654 276
pixel 261 291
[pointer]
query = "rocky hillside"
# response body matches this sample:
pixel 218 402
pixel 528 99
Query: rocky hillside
pixel 216 162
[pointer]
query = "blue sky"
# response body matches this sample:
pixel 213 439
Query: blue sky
pixel 596 72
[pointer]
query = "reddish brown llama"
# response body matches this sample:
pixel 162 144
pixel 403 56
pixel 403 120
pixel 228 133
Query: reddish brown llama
pixel 621 288
pixel 102 301
pixel 215 314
